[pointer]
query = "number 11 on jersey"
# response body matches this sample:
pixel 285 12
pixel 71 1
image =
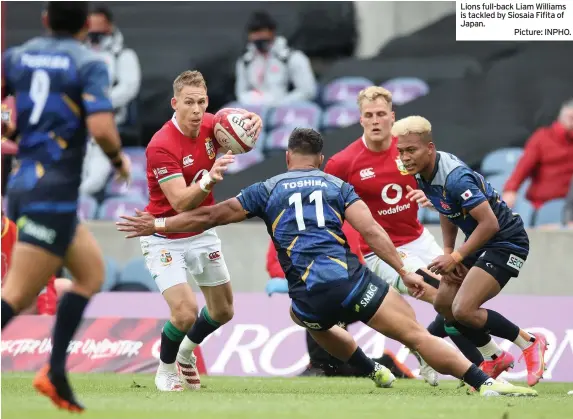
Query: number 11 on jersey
pixel 316 197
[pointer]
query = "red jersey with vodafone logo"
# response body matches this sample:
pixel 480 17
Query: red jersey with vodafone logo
pixel 170 154
pixel 380 179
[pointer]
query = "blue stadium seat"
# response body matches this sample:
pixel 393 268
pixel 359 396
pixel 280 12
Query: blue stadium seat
pixel 432 217
pixel 87 207
pixel 135 271
pixel 112 208
pixel 277 139
pixel 501 161
pixel 422 214
pixel 137 158
pixel 344 89
pixel 550 213
pixel 341 115
pixel 299 114
pixel 406 89
pixel 111 274
pixel 524 208
pixel 497 181
pixel 246 160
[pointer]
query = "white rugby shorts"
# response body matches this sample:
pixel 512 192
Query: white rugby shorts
pixel 416 254
pixel 168 260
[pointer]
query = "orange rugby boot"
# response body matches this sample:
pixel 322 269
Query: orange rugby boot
pixel 57 388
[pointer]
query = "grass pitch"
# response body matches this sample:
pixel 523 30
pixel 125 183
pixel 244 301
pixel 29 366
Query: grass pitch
pixel 119 396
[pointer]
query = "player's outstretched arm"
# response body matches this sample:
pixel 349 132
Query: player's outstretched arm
pixel 203 218
pixel 359 216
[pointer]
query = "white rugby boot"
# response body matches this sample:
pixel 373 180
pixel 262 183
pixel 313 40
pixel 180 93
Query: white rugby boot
pixel 167 379
pixel 429 374
pixel 188 372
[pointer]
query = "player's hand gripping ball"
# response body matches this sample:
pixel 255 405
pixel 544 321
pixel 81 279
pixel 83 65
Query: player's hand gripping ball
pixel 232 130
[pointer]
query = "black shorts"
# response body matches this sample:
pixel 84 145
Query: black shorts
pixel 356 299
pixel 502 263
pixel 48 225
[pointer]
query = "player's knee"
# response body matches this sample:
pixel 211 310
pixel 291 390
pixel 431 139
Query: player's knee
pixel 464 314
pixel 443 307
pixel 223 314
pixel 414 337
pixel 183 314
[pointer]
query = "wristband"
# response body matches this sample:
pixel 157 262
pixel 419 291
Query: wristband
pixel 457 256
pixel 403 271
pixel 115 158
pixel 160 225
pixel 205 183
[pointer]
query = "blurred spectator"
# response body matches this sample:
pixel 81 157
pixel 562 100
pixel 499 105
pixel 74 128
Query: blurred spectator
pixel 267 70
pixel 568 213
pixel 548 160
pixel 96 170
pixel 123 64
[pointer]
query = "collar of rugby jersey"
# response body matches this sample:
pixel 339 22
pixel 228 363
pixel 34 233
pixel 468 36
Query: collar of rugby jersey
pixel 560 131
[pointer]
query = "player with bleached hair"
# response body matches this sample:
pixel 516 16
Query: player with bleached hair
pixel 304 210
pixel 494 251
pixel 181 171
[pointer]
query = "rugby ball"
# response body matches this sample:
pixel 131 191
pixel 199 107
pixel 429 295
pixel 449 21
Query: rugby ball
pixel 229 128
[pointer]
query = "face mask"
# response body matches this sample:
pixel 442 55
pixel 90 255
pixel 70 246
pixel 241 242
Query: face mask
pixel 262 45
pixel 95 38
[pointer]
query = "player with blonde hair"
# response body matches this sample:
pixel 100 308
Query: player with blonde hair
pixel 182 170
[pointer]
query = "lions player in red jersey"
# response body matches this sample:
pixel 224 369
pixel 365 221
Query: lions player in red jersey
pixel 372 165
pixel 181 171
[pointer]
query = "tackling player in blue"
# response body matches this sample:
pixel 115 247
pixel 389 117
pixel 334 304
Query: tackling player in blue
pixel 494 251
pixel 60 90
pixel 304 210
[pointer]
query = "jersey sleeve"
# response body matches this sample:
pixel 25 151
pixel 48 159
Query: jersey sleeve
pixel 466 190
pixel 95 87
pixel 254 199
pixel 349 195
pixel 163 163
pixel 335 168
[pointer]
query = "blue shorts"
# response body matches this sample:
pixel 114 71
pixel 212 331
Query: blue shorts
pixel 48 225
pixel 501 262
pixel 348 301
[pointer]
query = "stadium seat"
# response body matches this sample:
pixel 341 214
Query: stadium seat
pixel 137 186
pixel 406 89
pixel 260 110
pixel 246 160
pixel 87 207
pixel 550 213
pixel 135 272
pixel 526 211
pixel 501 161
pixel 340 115
pixel 137 157
pixel 497 181
pixel 299 114
pixel 112 208
pixel 432 217
pixel 277 139
pixel 344 89
pixel 111 274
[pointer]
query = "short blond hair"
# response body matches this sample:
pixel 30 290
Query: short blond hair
pixel 412 125
pixel 188 78
pixel 372 93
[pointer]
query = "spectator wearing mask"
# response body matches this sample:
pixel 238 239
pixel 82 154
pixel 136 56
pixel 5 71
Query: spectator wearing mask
pixel 547 160
pixel 125 76
pixel 269 67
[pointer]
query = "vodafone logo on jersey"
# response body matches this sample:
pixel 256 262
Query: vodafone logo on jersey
pixel 367 173
pixel 391 195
